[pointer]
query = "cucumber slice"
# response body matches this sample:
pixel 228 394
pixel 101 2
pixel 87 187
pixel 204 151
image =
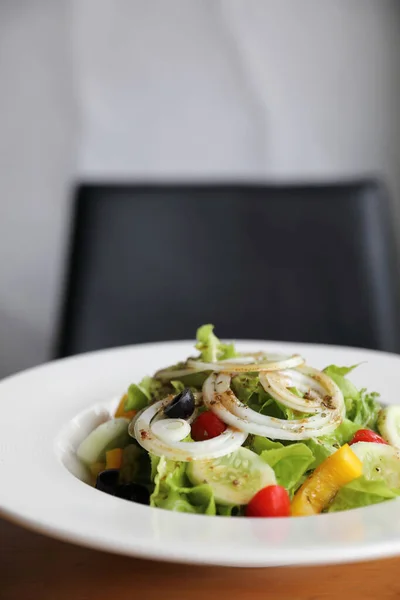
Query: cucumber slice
pixel 379 462
pixel 234 478
pixel 108 435
pixel 389 424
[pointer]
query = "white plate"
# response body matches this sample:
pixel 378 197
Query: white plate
pixel 46 411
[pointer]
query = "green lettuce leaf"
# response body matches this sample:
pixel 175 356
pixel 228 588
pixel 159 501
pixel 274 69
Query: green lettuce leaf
pixel 290 462
pixel 364 410
pixel 172 489
pixel 326 445
pixel 361 407
pixel 194 380
pixel 154 461
pixel 211 347
pixel 362 492
pixel 247 388
pixel 259 444
pixel 338 374
pixel 139 394
pixel 342 434
pixel 340 371
pixel 178 386
pixel 320 450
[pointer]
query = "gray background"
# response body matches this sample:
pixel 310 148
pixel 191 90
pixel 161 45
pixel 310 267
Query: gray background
pixel 138 89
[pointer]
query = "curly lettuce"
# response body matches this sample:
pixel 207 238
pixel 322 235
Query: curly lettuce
pixel 362 492
pixel 211 348
pixel 362 408
pixel 173 490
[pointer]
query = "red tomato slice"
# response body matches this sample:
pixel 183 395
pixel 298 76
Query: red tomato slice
pixel 207 426
pixel 366 435
pixel 271 501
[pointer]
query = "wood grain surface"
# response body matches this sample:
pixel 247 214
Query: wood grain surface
pixel 33 567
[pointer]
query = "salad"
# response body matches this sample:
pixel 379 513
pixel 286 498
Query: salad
pixel 247 434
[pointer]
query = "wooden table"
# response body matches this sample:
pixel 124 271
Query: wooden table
pixel 33 567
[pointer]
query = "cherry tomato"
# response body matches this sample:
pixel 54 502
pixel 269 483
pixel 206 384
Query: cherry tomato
pixel 366 435
pixel 207 426
pixel 271 501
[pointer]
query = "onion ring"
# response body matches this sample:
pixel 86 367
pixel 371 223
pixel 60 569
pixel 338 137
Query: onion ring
pixel 140 428
pixel 219 397
pixel 287 362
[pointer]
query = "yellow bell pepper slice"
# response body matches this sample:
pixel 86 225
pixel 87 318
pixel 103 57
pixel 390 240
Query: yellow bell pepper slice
pixel 322 486
pixel 121 412
pixel 114 458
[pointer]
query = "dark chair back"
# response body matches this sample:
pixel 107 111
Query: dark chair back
pixel 297 263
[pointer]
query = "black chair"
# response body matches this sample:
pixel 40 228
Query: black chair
pixel 297 263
